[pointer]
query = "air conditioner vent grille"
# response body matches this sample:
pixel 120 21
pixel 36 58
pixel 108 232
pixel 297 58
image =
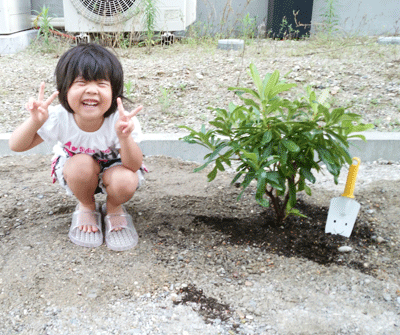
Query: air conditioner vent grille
pixel 105 11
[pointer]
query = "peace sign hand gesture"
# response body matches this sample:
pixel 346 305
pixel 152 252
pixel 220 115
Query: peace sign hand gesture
pixel 39 108
pixel 125 125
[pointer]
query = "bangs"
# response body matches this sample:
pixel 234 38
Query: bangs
pixel 91 67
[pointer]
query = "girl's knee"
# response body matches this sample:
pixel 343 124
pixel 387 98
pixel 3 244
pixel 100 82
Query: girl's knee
pixel 121 180
pixel 81 167
pixel 127 182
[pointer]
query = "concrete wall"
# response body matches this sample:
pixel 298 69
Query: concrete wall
pixel 222 15
pixel 363 17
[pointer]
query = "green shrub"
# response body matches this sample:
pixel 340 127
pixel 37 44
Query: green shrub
pixel 277 142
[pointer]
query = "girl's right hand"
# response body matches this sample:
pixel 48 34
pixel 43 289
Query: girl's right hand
pixel 39 108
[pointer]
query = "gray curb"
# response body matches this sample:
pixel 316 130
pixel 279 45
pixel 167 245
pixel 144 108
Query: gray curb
pixel 379 145
pixel 231 44
pixel 389 40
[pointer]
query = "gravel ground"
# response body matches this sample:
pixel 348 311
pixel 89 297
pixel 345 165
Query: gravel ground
pixel 188 274
pixel 177 84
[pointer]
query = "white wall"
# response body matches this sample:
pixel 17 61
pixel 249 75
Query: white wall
pixel 363 17
pixel 55 7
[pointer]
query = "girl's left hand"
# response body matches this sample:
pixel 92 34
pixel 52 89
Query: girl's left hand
pixel 125 125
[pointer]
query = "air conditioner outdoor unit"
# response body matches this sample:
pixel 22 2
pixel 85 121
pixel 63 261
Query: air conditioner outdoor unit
pixel 14 16
pixel 84 16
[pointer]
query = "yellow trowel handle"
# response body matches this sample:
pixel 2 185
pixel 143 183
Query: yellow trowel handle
pixel 351 179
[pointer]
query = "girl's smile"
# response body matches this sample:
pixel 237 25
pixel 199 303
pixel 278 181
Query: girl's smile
pixel 89 100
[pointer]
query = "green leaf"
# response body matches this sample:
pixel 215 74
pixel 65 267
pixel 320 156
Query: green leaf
pixel 307 174
pixel 323 96
pixel 295 212
pixel 256 77
pixel 239 91
pixel 211 176
pixel 263 202
pixel 329 161
pixel 261 186
pixel 358 128
pixel 201 167
pixel 246 182
pixel 336 115
pixel 267 137
pixel 325 111
pixel 281 88
pixel 359 136
pixel 251 156
pixel 271 85
pixel 250 102
pixel 236 178
pixel 290 145
pixel 274 179
pixel 219 165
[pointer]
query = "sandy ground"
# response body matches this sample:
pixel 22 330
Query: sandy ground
pixel 47 281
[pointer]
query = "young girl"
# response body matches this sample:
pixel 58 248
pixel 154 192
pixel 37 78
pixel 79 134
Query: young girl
pixel 97 147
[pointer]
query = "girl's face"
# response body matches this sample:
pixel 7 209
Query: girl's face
pixel 89 100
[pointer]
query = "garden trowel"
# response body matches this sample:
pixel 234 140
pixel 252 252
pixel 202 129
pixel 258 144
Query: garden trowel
pixel 343 210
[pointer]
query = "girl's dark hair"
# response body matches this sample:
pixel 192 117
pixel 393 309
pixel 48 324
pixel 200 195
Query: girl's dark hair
pixel 92 62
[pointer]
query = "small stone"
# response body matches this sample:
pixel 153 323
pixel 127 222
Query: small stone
pixel 248 283
pixel 380 239
pixel 92 295
pixel 199 76
pixel 387 297
pixel 345 248
pixel 335 90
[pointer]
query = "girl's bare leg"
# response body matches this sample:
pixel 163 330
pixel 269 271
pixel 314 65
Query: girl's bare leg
pixel 121 183
pixel 81 173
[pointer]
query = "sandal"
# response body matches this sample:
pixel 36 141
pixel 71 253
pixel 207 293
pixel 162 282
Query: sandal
pixel 120 232
pixel 86 218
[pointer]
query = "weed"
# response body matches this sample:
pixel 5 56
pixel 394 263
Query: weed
pixel 43 23
pixel 286 31
pixel 248 27
pixel 182 86
pixel 377 122
pixel 165 98
pixel 331 18
pixel 129 88
pixel 150 13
